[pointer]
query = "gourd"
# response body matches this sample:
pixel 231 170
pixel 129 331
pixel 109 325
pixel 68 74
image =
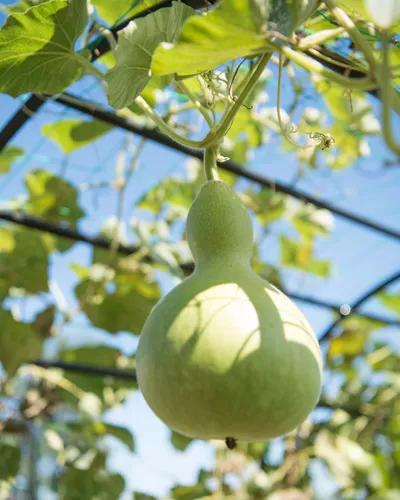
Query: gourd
pixel 226 355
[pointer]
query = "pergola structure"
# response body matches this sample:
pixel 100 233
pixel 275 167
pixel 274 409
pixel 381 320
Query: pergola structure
pixel 99 47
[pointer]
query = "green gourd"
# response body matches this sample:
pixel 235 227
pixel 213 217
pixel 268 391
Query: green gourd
pixel 226 355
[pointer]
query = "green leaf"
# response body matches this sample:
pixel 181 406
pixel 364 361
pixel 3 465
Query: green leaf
pixel 353 123
pixel 36 48
pixel 52 197
pixel 74 134
pixel 97 355
pixel 171 191
pixel 23 261
pixel 310 221
pixel 355 335
pixel 10 461
pixel 235 28
pixel 94 482
pixel 299 254
pixel 350 343
pixel 142 496
pixel 246 125
pixel 136 44
pixel 355 8
pixel 123 309
pixel 195 492
pixel 180 442
pixel 44 321
pixel 268 205
pixel 392 301
pixel 344 457
pixel 113 11
pixel 383 358
pixel 121 433
pixel 207 41
pixel 8 156
pixel 19 342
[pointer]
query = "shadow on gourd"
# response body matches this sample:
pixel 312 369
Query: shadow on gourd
pixel 226 354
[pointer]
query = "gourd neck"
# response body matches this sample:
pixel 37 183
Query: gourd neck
pixel 230 264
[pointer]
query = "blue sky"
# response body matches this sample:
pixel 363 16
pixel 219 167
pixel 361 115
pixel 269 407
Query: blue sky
pixel 359 257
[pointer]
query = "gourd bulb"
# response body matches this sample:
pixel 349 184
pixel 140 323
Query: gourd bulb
pixel 225 354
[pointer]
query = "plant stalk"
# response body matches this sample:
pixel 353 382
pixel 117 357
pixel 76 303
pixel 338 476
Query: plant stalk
pixel 386 94
pixel 210 163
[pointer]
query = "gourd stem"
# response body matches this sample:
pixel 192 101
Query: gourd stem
pixel 386 94
pixel 214 136
pixel 164 127
pixel 210 163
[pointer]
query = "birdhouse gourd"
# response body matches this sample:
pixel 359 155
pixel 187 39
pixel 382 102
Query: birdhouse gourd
pixel 225 354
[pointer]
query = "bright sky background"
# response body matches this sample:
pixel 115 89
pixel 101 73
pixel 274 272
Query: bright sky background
pixel 359 257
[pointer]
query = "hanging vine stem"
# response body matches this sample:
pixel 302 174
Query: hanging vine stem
pixel 251 80
pixel 164 127
pixel 380 75
pixel 315 67
pixel 182 87
pixel 324 36
pixel 215 135
pixel 323 140
pixel 359 41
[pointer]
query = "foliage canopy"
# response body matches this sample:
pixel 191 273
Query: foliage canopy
pixel 170 67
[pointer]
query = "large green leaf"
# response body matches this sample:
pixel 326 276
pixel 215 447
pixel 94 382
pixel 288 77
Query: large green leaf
pixel 121 433
pixel 74 134
pixel 37 48
pixel 19 342
pixel 136 44
pixel 171 191
pixel 44 321
pixel 234 29
pixel 8 156
pixel 125 308
pixel 91 430
pixel 311 221
pixel 92 481
pixel 113 11
pixel 206 41
pixel 268 205
pixel 52 197
pixel 299 254
pixel 23 261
